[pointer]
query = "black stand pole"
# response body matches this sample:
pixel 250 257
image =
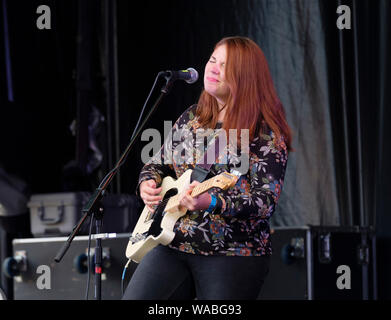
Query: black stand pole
pixel 94 201
pixel 98 256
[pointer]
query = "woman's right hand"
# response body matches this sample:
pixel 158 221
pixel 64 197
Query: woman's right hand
pixel 149 194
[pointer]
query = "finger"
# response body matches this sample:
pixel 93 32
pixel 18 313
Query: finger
pixel 183 204
pixel 146 184
pixel 193 185
pixel 187 202
pixel 190 199
pixel 181 198
pixel 151 203
pixel 157 190
pixel 149 189
pixel 189 191
pixel 151 183
pixel 182 195
pixel 152 191
pixel 149 198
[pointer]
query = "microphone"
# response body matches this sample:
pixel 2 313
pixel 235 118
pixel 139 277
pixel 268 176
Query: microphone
pixel 190 75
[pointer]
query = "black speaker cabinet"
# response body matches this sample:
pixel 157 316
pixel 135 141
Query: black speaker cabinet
pixel 37 276
pixel 317 263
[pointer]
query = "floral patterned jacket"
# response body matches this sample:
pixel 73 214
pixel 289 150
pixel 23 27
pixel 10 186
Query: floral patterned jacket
pixel 241 228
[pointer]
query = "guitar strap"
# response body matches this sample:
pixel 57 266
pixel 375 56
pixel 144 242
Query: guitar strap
pixel 201 170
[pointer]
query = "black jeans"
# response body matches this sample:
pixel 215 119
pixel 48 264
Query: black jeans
pixel 166 274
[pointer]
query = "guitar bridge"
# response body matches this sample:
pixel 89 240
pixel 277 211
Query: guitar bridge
pixel 138 237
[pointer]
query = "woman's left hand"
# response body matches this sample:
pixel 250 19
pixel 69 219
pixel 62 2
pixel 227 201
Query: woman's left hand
pixel 200 202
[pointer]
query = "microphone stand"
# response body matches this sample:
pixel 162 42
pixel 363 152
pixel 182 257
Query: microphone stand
pixel 94 203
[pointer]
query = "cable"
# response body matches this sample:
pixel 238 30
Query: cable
pixel 88 256
pixel 123 276
pixel 123 279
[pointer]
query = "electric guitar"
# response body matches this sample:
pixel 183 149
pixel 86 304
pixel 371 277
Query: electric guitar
pixel 154 228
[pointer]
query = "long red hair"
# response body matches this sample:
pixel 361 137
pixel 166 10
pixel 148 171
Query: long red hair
pixel 253 101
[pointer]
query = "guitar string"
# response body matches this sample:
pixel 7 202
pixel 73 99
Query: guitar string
pixel 196 191
pixel 203 187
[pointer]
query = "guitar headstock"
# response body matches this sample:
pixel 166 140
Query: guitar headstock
pixel 225 180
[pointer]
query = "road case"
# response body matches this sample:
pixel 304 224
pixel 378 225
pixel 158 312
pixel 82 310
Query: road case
pixel 315 263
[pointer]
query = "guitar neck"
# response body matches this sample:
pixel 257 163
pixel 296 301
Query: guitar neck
pixel 202 187
pixel 199 189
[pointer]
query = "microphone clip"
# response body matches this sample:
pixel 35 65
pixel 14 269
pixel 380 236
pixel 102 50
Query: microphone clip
pixel 189 75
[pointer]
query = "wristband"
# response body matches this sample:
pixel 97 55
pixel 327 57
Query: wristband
pixel 219 204
pixel 212 204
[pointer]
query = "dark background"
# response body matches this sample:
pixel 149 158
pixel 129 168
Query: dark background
pixel 101 57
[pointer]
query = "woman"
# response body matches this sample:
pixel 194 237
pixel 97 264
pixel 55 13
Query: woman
pixel 221 249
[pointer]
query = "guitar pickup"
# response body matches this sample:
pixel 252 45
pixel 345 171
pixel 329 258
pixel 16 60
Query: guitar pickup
pixel 148 216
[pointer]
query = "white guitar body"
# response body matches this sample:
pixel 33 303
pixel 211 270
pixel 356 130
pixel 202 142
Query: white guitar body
pixel 136 251
pixel 142 241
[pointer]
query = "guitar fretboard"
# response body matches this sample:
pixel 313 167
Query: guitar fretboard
pixel 201 188
pixel 222 181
